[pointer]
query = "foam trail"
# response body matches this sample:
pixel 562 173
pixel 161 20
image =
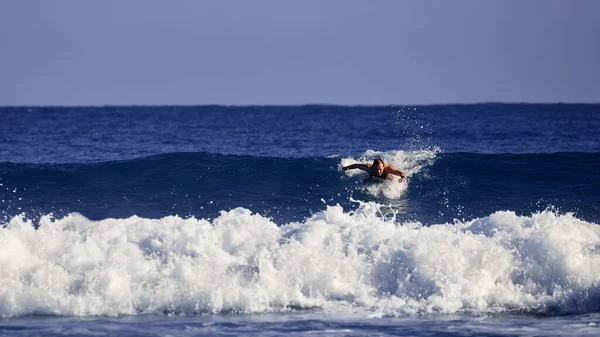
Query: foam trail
pixel 245 263
pixel 410 162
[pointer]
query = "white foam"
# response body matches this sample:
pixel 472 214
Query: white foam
pixel 409 162
pixel 336 260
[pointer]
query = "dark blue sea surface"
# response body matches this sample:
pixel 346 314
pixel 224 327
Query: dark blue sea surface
pixel 217 219
pixel 453 186
pixel 101 134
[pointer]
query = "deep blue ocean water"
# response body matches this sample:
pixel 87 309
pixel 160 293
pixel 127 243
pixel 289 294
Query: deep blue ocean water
pixel 239 220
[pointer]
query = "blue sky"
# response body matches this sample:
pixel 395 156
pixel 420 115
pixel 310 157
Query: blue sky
pixel 298 52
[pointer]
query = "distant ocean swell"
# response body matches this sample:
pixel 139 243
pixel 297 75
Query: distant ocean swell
pixel 337 260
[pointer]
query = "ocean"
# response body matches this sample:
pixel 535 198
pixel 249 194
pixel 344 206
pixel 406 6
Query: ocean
pixel 231 220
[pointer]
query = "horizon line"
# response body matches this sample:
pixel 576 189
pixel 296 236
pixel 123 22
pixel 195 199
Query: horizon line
pixel 292 105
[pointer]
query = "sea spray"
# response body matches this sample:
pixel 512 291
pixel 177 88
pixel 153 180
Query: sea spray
pixel 410 162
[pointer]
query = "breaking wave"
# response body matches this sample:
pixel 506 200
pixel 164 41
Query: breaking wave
pixel 243 262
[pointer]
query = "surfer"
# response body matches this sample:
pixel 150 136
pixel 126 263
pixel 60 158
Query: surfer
pixel 378 169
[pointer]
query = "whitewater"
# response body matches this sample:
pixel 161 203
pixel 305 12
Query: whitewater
pixel 245 263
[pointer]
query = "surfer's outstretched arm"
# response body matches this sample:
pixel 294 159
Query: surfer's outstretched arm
pixel 395 171
pixel 364 167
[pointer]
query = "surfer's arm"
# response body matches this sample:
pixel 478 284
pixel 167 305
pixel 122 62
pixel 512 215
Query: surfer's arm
pixel 399 173
pixel 364 167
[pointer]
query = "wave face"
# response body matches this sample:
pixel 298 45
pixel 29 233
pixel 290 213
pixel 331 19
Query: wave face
pixel 336 260
pixel 441 187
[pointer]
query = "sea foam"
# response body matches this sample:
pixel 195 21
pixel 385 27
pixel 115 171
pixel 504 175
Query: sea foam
pixel 245 263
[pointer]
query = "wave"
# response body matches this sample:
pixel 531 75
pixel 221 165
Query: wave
pixel 440 186
pixel 244 262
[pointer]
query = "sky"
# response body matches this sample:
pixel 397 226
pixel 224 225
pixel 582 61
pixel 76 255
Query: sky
pixel 277 52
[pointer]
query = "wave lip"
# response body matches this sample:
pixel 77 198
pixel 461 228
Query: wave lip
pixel 243 262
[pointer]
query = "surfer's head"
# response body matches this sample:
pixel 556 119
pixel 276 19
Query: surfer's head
pixel 379 166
